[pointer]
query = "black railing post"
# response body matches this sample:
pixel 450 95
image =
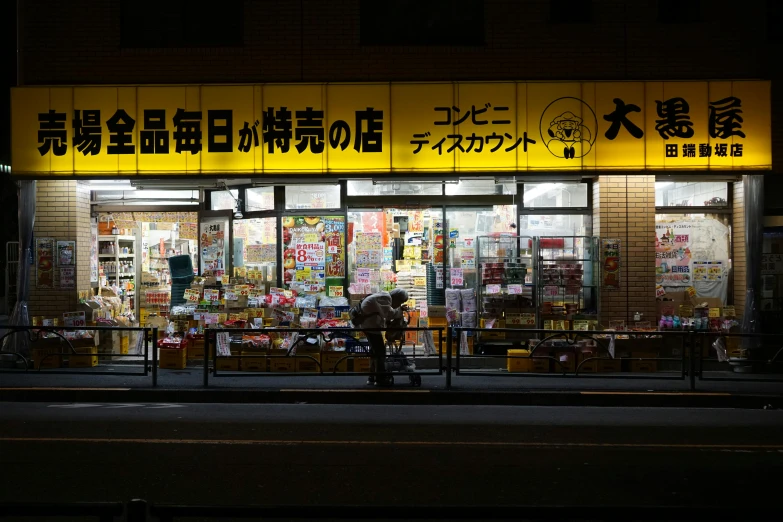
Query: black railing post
pixel 449 332
pixel 154 342
pixel 137 510
pixel 692 361
pixel 206 361
pixel 206 356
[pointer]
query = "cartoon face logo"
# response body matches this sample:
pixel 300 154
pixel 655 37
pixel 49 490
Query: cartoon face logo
pixel 568 128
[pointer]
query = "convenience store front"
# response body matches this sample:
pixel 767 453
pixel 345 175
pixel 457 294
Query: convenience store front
pixel 541 198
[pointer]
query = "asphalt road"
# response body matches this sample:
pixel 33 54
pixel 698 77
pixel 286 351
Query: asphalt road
pixel 389 455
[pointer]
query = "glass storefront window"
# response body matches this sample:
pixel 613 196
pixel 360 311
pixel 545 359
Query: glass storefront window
pixel 224 199
pixel 314 254
pixel 555 195
pixel 468 187
pixel 555 225
pixel 214 239
pixel 312 196
pixel 391 188
pixel 691 194
pixel 692 250
pixel 259 199
pixel 255 250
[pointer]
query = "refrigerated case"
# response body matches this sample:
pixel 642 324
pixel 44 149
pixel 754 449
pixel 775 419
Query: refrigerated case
pixel 567 272
pixel 507 284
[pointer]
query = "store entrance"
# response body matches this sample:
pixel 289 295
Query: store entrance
pixel 424 250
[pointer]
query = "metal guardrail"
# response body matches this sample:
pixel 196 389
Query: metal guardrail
pixel 141 511
pixel 68 350
pixel 691 358
pixel 775 362
pixel 328 334
pixel 100 511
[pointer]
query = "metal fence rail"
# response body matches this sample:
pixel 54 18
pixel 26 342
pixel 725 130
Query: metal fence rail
pixel 141 511
pixel 66 349
pixel 328 334
pixel 693 348
pixel 102 511
pixel 754 359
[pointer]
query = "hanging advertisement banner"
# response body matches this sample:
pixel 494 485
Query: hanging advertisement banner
pixel 610 253
pixel 673 254
pixel 415 127
pixel 44 264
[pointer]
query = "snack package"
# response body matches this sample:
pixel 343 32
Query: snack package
pixel 468 319
pixel 452 299
pixel 468 296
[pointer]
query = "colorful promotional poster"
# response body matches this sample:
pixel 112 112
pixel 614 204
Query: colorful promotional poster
pixel 673 254
pixel 44 264
pixel 313 248
pixel 610 252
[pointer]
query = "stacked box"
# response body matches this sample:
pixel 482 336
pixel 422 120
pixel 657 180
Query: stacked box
pixel 303 361
pixel 89 359
pixel 516 365
pixel 329 359
pixel 172 358
pixel 252 361
pixel 281 364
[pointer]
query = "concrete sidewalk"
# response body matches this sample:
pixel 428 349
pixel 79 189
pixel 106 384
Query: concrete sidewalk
pixel 493 387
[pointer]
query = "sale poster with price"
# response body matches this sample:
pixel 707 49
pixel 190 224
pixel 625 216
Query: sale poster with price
pixel 44 264
pixel 313 242
pixel 610 253
pixel 673 254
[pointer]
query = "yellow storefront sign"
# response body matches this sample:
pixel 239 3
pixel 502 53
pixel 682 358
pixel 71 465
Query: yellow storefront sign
pixel 389 127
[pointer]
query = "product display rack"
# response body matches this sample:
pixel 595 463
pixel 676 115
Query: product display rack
pixel 567 279
pixel 506 284
pixel 117 263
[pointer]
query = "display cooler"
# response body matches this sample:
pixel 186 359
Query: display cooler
pixel 567 285
pixel 506 286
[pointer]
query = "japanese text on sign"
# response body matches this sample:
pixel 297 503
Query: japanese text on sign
pixel 432 127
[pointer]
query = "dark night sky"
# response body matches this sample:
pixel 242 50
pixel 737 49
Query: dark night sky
pixel 7 74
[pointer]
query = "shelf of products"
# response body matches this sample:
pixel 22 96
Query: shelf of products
pixel 567 275
pixel 117 265
pixel 506 285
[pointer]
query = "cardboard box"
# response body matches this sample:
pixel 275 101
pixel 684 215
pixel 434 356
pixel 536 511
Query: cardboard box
pixel 515 364
pixel 280 362
pixel 304 362
pixel 331 359
pixel 172 358
pixel 669 304
pixel 567 362
pixel 361 364
pixel 252 361
pixel 47 357
pixel 539 364
pixel 86 342
pixel 228 364
pixel 88 360
pixel 591 366
pixel 644 366
pixel 436 311
pixel 609 365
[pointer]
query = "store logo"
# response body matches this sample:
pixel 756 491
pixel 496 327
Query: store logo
pixel 568 128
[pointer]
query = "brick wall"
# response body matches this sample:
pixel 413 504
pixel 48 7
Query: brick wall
pixel 624 209
pixel 313 40
pixel 62 209
pixel 738 241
